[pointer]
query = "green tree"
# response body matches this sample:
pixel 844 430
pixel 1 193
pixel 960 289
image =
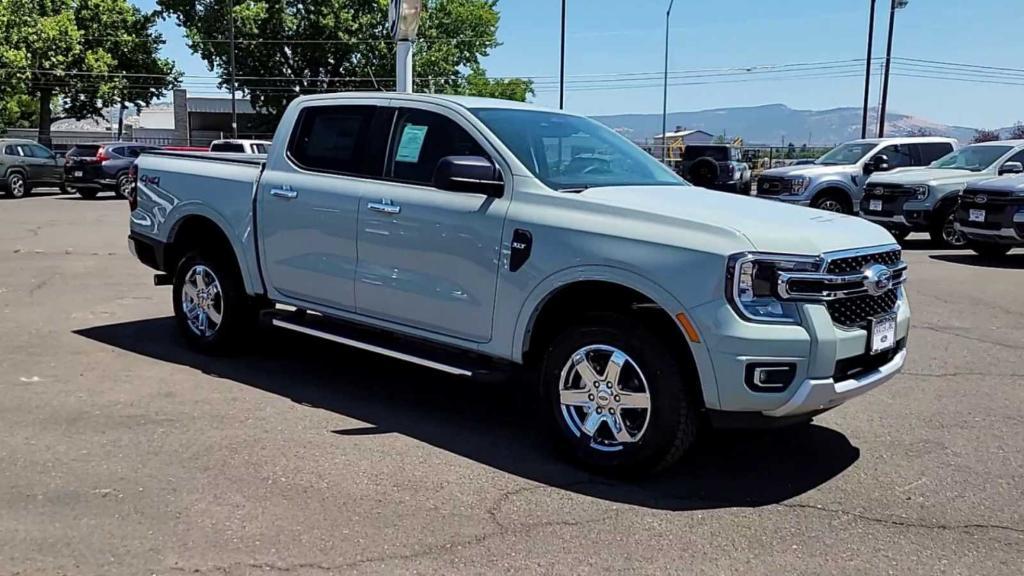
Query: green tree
pixel 286 49
pixel 85 54
pixel 983 135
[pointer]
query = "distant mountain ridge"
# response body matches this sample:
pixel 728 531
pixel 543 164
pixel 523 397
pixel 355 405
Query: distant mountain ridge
pixel 778 124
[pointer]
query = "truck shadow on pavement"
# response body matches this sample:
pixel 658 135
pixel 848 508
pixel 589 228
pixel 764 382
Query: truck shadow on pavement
pixel 1009 262
pixel 493 423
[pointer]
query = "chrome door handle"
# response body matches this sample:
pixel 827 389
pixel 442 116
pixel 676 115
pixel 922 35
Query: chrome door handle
pixel 384 206
pixel 285 192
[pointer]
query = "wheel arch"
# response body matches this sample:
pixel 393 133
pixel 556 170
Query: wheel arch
pixel 604 289
pixel 835 188
pixel 202 231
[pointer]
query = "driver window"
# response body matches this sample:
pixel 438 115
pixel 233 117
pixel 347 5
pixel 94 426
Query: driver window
pixel 899 156
pixel 421 140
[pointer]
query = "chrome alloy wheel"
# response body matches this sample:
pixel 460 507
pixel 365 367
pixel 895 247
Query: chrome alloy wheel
pixel 604 397
pixel 17 185
pixel 950 234
pixel 831 205
pixel 124 186
pixel 202 301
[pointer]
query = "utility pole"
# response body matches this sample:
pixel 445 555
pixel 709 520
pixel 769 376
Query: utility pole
pixel 405 22
pixel 867 70
pixel 231 40
pixel 664 95
pixel 561 66
pixel 895 5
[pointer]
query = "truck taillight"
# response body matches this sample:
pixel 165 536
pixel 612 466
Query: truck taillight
pixel 133 190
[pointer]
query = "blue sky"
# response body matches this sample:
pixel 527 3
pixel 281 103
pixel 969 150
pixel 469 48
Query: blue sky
pixel 627 37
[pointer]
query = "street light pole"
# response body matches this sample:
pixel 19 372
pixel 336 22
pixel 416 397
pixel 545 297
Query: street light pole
pixel 404 16
pixel 561 67
pixel 867 71
pixel 231 41
pixel 664 95
pixel 895 5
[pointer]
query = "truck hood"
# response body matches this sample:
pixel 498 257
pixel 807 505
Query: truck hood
pixel 1012 184
pixel 928 176
pixel 812 170
pixel 768 226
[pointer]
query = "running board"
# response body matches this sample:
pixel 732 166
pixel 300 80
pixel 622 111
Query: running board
pixel 355 336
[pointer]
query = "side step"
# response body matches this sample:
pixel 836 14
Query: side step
pixel 457 363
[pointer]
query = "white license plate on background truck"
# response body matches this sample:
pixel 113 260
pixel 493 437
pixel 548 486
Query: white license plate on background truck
pixel 977 215
pixel 78 174
pixel 883 333
pixel 875 205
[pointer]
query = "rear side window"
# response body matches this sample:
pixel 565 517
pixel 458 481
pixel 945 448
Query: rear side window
pixel 10 150
pixel 421 140
pixel 333 139
pixel 932 151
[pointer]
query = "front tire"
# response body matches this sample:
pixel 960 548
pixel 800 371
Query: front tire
pixel 619 399
pixel 212 310
pixel 944 230
pixel 831 202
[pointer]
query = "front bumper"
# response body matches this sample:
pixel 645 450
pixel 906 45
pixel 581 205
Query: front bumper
pixel 831 362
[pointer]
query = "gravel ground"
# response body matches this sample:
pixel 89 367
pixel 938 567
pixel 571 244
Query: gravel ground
pixel 124 453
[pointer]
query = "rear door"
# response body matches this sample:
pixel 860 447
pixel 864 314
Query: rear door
pixel 429 258
pixel 309 200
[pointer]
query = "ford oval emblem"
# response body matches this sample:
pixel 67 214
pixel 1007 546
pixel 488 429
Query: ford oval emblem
pixel 980 199
pixel 877 279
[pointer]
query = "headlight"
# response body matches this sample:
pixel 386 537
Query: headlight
pixel 798 185
pixel 920 192
pixel 752 285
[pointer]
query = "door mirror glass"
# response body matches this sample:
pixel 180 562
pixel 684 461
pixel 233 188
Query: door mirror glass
pixel 1012 168
pixel 471 174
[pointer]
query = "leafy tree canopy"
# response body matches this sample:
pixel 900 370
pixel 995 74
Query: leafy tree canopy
pixel 89 54
pixel 286 49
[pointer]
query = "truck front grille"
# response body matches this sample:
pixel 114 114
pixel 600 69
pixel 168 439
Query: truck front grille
pixel 858 262
pixel 773 186
pixel 856 311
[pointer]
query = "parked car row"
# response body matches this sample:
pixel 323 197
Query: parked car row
pixel 88 169
pixel 908 185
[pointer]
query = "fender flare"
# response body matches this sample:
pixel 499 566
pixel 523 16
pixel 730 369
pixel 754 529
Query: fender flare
pixel 547 287
pixel 833 185
pixel 189 209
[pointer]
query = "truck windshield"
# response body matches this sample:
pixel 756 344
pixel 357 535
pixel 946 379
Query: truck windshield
pixel 972 158
pixel 849 153
pixel 571 152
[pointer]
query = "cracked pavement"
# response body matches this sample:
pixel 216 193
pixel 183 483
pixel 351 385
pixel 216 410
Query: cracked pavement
pixel 123 453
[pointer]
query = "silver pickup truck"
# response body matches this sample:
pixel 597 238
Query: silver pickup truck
pixel 835 182
pixel 465 235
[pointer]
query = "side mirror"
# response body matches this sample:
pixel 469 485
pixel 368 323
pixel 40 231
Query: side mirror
pixel 878 163
pixel 470 174
pixel 1011 168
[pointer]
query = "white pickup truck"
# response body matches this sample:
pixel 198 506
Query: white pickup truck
pixel 472 236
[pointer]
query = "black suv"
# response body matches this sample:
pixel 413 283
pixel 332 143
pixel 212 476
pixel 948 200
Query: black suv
pixel 94 168
pixel 716 167
pixel 25 165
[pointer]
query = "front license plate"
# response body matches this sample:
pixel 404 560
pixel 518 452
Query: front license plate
pixel 883 333
pixel 77 174
pixel 875 205
pixel 977 215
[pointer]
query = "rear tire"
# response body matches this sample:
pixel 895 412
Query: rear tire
pixel 211 308
pixel 123 186
pixel 606 428
pixel 17 185
pixel 988 249
pixel 944 232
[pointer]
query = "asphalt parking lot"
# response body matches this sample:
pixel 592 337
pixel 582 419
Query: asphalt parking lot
pixel 123 453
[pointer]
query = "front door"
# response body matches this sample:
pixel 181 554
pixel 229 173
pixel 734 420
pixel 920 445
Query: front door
pixel 429 258
pixel 309 202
